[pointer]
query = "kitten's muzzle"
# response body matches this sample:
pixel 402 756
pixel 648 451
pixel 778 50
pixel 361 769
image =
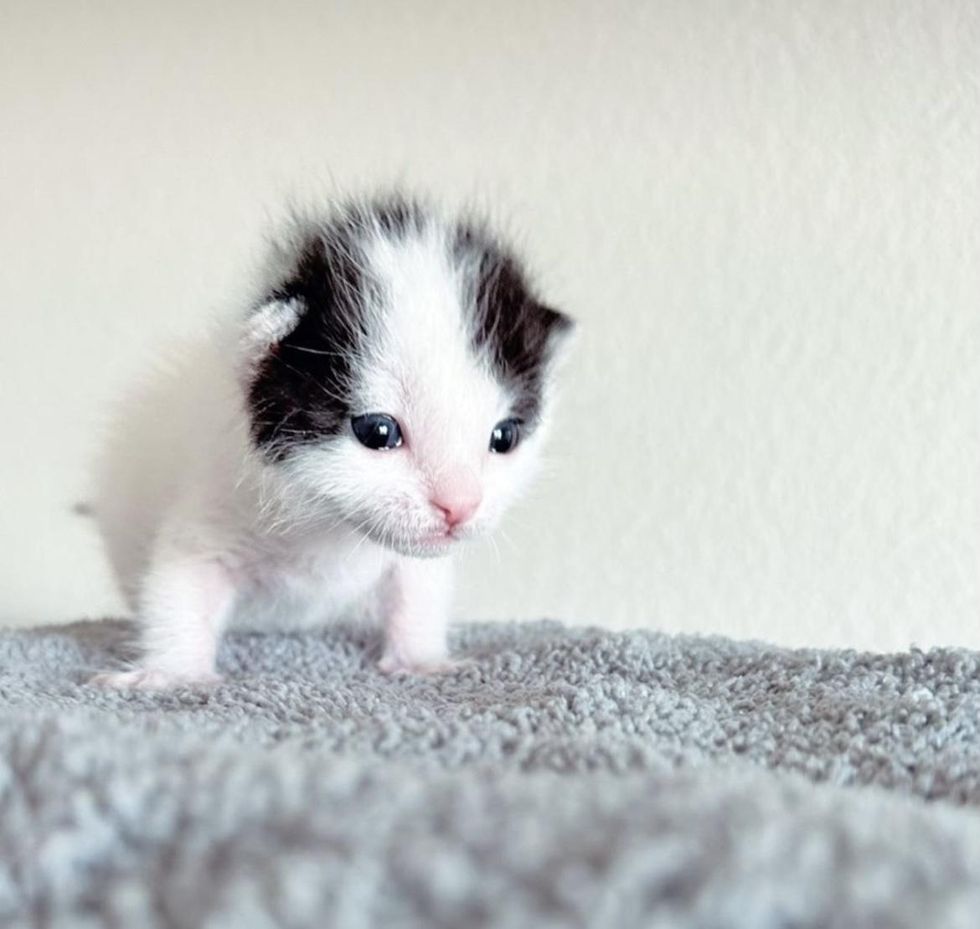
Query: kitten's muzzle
pixel 456 510
pixel 455 497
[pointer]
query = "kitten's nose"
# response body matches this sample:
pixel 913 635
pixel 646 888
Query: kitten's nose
pixel 456 509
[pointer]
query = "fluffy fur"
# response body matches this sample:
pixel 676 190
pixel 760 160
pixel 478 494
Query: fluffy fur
pixel 234 487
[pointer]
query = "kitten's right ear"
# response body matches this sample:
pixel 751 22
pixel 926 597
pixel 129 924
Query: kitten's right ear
pixel 269 324
pixel 265 327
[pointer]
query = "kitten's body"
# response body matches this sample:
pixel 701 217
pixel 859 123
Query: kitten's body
pixel 235 488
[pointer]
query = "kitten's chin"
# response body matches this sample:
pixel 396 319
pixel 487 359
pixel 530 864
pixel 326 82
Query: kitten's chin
pixel 423 548
pixel 429 549
pixel 434 545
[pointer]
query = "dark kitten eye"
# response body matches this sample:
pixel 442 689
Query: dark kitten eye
pixel 504 437
pixel 376 430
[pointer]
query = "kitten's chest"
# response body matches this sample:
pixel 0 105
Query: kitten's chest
pixel 309 581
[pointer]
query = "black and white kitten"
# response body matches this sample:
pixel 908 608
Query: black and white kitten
pixel 383 399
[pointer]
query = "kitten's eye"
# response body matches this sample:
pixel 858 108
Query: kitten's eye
pixel 377 431
pixel 504 437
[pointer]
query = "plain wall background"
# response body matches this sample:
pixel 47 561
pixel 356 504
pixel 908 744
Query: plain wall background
pixel 766 216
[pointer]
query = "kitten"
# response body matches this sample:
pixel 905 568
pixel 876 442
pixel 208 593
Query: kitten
pixel 383 399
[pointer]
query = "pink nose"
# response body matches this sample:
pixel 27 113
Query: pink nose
pixel 456 510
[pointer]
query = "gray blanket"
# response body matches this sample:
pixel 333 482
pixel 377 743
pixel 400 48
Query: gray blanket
pixel 562 778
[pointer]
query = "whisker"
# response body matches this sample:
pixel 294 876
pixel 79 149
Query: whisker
pixel 314 351
pixel 495 547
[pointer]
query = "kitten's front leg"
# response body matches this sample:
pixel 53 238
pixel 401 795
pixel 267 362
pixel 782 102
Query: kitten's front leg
pixel 417 606
pixel 184 603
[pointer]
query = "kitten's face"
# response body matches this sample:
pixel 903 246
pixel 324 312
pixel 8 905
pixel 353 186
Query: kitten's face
pixel 405 381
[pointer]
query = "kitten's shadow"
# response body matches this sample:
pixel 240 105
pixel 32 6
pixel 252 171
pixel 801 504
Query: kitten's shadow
pixel 89 645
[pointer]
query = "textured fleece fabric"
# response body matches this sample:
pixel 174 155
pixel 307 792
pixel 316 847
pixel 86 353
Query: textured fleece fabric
pixel 558 778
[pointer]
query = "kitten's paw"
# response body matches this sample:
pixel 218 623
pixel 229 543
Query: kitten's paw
pixel 396 664
pixel 152 680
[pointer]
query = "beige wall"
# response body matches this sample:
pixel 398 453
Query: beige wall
pixel 765 215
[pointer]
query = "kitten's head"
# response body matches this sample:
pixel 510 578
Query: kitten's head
pixel 399 372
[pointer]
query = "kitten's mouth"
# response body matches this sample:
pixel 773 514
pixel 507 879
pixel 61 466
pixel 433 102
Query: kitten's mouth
pixel 424 545
pixel 441 539
pixel 427 546
pixel 438 535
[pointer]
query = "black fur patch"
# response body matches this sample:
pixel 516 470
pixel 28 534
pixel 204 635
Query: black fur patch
pixel 509 323
pixel 396 215
pixel 301 391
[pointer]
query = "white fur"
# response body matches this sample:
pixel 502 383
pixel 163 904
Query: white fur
pixel 202 530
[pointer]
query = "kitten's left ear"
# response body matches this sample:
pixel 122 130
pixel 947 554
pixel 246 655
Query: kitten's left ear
pixel 559 329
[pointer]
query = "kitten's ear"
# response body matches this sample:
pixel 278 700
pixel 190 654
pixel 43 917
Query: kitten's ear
pixel 266 326
pixel 269 324
pixel 559 328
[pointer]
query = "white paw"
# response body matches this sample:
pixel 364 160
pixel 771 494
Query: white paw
pixel 396 664
pixel 152 680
